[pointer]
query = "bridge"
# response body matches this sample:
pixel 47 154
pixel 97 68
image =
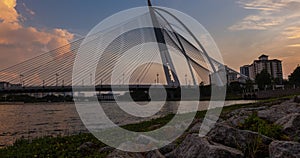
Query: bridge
pixel 176 47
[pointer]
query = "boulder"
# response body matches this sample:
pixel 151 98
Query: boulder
pixel 154 154
pixel 240 139
pixel 276 112
pixel 237 117
pixel 291 125
pixel 196 125
pixel 106 149
pixel 281 149
pixel 200 147
pixel 87 146
pixel 122 154
pixel 297 99
pixel 168 148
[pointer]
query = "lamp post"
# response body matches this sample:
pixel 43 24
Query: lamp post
pixel 123 79
pixel 186 81
pixel 56 75
pixel 91 79
pixel 21 79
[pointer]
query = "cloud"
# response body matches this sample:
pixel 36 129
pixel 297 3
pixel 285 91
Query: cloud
pixel 292 32
pixel 18 43
pixel 257 22
pixel 264 5
pixel 8 12
pixel 294 45
pixel 31 12
pixel 270 13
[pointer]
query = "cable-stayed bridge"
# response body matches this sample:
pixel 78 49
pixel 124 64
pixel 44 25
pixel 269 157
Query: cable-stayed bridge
pixel 168 54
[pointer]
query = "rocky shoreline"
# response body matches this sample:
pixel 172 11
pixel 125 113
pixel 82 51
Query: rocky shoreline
pixel 268 128
pixel 226 139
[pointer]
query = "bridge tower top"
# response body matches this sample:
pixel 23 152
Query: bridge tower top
pixel 149 3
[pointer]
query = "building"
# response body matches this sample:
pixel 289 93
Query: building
pixel 273 67
pixel 4 85
pixel 231 75
pixel 245 70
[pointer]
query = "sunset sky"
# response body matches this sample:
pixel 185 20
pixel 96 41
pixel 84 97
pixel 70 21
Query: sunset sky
pixel 243 29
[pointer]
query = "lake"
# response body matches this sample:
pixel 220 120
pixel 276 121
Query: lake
pixel 18 120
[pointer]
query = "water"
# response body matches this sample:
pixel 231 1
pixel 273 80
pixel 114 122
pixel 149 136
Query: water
pixel 52 119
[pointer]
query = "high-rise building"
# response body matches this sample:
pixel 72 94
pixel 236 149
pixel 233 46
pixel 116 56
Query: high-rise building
pixel 245 70
pixel 273 67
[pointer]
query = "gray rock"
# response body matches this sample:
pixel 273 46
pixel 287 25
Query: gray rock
pixel 87 146
pixel 245 111
pixel 237 117
pixel 291 125
pixel 281 149
pixel 198 147
pixel 297 99
pixel 196 125
pixel 276 112
pixel 168 148
pixel 154 154
pixel 240 139
pixel 122 154
pixel 106 149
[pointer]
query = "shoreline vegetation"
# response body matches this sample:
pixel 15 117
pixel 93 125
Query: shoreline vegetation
pixel 61 99
pixel 86 145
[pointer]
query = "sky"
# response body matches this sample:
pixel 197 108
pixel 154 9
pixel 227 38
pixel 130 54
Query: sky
pixel 242 29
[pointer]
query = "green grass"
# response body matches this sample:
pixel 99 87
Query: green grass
pixel 51 147
pixel 256 124
pixel 68 146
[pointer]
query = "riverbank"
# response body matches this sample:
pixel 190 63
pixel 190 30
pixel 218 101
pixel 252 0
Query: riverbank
pixel 249 114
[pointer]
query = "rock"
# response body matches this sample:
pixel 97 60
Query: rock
pixel 154 154
pixel 87 146
pixel 281 149
pixel 122 154
pixel 240 139
pixel 142 139
pixel 244 111
pixel 237 117
pixel 196 125
pixel 297 99
pixel 290 124
pixel 168 148
pixel 200 147
pixel 106 149
pixel 276 112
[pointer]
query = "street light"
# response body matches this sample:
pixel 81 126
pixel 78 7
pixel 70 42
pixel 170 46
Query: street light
pixel 21 79
pixel 91 79
pixel 186 82
pixel 123 79
pixel 56 75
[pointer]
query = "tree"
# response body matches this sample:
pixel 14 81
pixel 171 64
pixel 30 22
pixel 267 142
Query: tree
pixel 262 79
pixel 294 78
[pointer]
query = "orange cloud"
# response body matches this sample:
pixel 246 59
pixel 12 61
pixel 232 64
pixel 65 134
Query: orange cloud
pixel 8 12
pixel 294 45
pixel 292 32
pixel 18 43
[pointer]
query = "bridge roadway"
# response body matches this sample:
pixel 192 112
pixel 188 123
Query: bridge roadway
pixel 48 89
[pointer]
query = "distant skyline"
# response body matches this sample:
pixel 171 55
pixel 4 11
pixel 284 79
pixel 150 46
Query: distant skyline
pixel 243 29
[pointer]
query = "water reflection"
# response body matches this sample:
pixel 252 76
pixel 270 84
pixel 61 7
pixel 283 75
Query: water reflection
pixel 53 119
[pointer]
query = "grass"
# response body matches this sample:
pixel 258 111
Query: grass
pixel 256 124
pixel 51 147
pixel 68 146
